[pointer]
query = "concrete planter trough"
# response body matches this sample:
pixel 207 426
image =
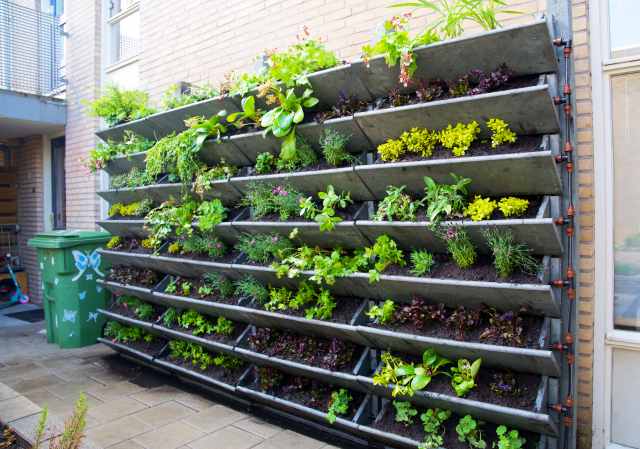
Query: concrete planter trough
pixel 147 326
pixel 528 110
pixel 124 228
pixel 125 350
pixel 345 234
pixel 248 381
pixel 526 49
pixel 358 142
pixel 540 234
pixel 214 152
pixel 529 173
pixel 329 84
pixel 163 123
pixel 194 376
pixel 539 360
pixel 536 420
pixel 251 144
pixel 266 275
pixel 124 164
pixel 126 289
pixel 344 379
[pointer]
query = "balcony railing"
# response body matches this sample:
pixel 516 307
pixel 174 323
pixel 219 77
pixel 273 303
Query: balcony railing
pixel 30 50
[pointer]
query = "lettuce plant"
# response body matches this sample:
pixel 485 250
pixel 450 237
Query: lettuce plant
pixel 405 412
pixel 339 405
pixel 384 313
pixel 463 377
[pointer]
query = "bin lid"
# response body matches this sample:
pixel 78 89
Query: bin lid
pixel 68 238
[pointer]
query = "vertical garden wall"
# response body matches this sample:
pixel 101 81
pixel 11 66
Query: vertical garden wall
pixel 397 273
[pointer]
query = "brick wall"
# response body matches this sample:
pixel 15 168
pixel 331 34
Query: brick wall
pixel 30 206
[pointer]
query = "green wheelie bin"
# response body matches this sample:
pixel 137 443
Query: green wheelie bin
pixel 70 265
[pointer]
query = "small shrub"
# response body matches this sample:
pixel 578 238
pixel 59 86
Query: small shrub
pixel 500 132
pixel 508 255
pixel 264 248
pixel 445 199
pixel 249 287
pixel 391 150
pixel 405 412
pixel 266 199
pixel 480 208
pixel 420 141
pixel 334 148
pixel 303 157
pixel 119 106
pixel 265 163
pixel 459 138
pixel 460 247
pixel 397 205
pixel 512 206
pixel 421 262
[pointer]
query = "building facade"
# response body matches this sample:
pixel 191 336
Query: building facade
pixel 150 45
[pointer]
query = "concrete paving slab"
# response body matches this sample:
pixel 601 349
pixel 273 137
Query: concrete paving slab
pixel 164 413
pixel 117 431
pixel 169 436
pixel 215 418
pixel 227 438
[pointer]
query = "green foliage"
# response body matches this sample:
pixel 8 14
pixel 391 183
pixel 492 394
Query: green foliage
pixel 397 205
pixel 420 141
pixel 250 287
pixel 391 150
pixel 141 309
pixel 421 262
pixel 266 199
pixel 384 314
pixel 334 148
pixel 220 284
pixel 512 206
pixel 114 242
pixel 500 132
pixel 326 216
pixel 172 98
pixel 197 323
pixel 126 334
pixel 170 317
pixel 459 138
pixel 206 176
pixel 304 156
pixel 248 116
pixel 279 299
pixel 134 178
pixel 508 255
pixel 205 245
pixel 119 106
pixel 281 121
pixel 135 209
pixel 445 199
pixel 469 432
pixel 508 439
pixel 339 405
pixel 464 376
pixel 264 248
pixel 223 326
pixel 304 57
pixel 414 377
pixel 210 214
pixel 200 357
pixel 319 303
pixel 405 412
pixel 104 152
pixel 432 423
pixel 460 247
pixel 480 208
pixel 383 253
pixel 265 163
pixel 386 375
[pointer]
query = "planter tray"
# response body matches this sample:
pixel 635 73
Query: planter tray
pixel 342 179
pixel 540 234
pixel 529 360
pixel 358 142
pixel 171 334
pixel 214 152
pixel 147 326
pixel 163 123
pixel 253 143
pixel 329 84
pixel 162 192
pixel 126 289
pixel 526 49
pixel 538 420
pixel 119 347
pixel 195 376
pixel 265 275
pixel 124 164
pixel 124 228
pixel 527 110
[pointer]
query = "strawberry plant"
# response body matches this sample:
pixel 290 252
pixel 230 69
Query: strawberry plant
pixel 469 432
pixel 404 412
pixel 508 439
pixel 432 423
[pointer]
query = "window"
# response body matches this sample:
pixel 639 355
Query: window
pixel 124 29
pixel 624 32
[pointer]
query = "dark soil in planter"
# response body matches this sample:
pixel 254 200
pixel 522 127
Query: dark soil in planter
pixel 343 313
pixel 121 309
pixel 131 246
pixel 238 328
pixel 347 214
pixel 483 270
pixel 229 377
pixel 134 276
pixel 150 349
pixel 9 440
pixel 531 329
pixel 196 283
pixel 321 165
pixel 227 258
pixel 415 431
pixel 301 390
pixel 330 354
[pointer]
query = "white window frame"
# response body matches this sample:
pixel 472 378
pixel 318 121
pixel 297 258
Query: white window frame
pixel 605 337
pixel 111 37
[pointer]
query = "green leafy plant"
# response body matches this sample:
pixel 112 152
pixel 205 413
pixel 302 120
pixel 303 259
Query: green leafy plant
pixel 421 262
pixel 266 199
pixel 206 245
pixel 303 157
pixel 210 214
pixel 248 116
pixel 339 404
pixel 265 163
pixel 500 132
pixel 73 431
pixel 508 255
pixel 512 206
pixel 172 286
pixel 207 176
pixel 223 326
pixel 134 178
pixel 119 106
pixel 197 323
pixel 173 97
pixel 279 299
pixel 463 377
pixel 264 248
pixel 220 284
pixel 445 199
pixel 469 432
pixel 508 439
pixel 250 287
pixel 460 247
pixel 459 138
pixel 326 216
pixel 281 121
pixel 104 152
pixel 405 412
pixel 391 150
pixel 414 377
pixel 480 208
pixel 334 148
pixel 397 205
pixel 135 209
pixel 384 314
pixel 386 375
pixel 114 242
pixel 420 141
pixel 170 317
pixel 382 254
pixel 432 423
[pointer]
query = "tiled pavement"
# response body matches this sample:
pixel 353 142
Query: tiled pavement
pixel 129 408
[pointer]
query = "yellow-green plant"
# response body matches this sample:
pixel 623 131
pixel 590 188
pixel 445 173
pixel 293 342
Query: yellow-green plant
pixel 459 138
pixel 420 141
pixel 500 132
pixel 480 208
pixel 174 248
pixel 114 242
pixel 512 206
pixel 391 150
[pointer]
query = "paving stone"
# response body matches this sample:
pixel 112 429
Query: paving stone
pixel 25 385
pixel 107 377
pixel 7 392
pixel 155 396
pixel 112 410
pixel 72 389
pixel 113 391
pixel 23 374
pixel 194 401
pixel 129 444
pixel 26 427
pixel 164 413
pixel 215 418
pixel 169 436
pixel 227 438
pixel 41 397
pixel 258 427
pixel 293 440
pixel 117 431
pixel 16 408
